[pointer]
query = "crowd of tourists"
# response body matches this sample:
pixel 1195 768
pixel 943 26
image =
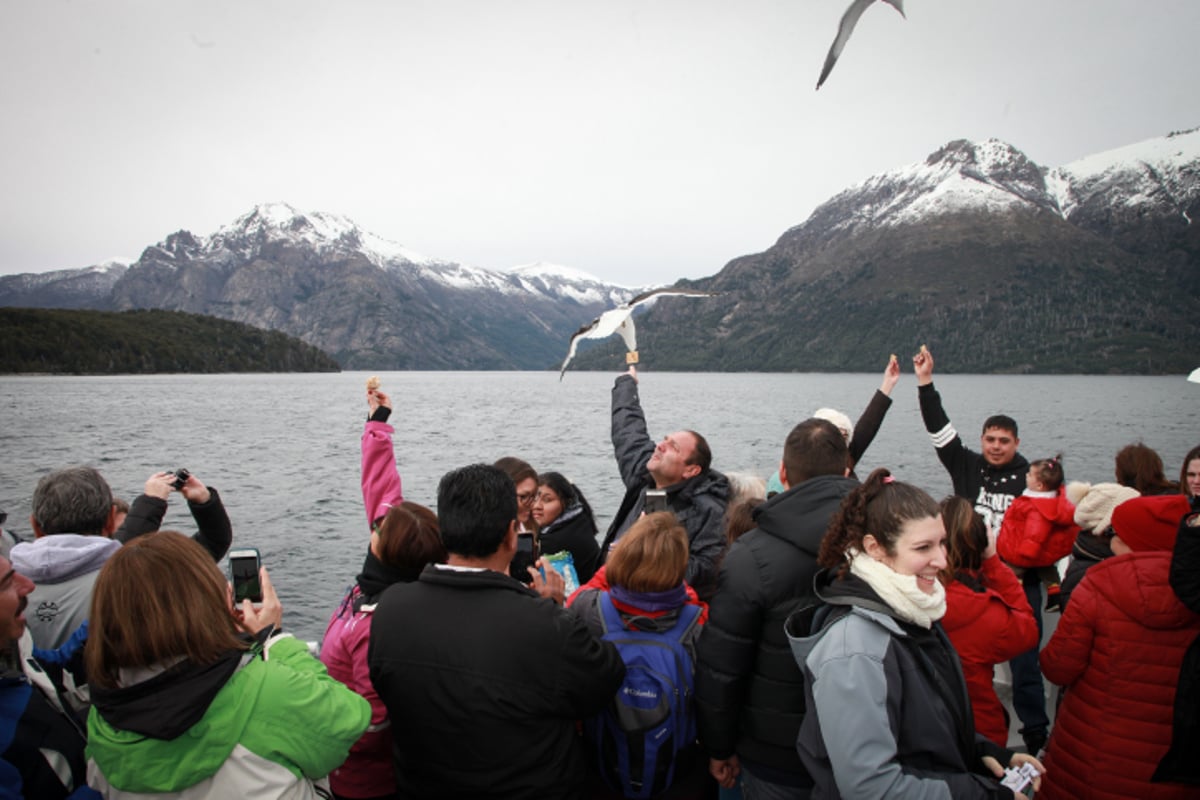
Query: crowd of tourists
pixel 815 635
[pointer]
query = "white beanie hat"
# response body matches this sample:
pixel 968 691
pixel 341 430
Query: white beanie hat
pixel 839 420
pixel 1094 504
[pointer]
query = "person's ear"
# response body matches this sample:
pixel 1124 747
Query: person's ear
pixel 510 537
pixel 873 548
pixel 691 471
pixel 37 529
pixel 110 524
pixel 783 478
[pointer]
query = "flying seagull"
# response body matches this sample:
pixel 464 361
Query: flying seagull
pixel 620 320
pixel 1195 376
pixel 845 28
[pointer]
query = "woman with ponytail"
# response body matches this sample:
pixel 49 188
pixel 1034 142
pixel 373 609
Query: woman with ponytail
pixel 888 711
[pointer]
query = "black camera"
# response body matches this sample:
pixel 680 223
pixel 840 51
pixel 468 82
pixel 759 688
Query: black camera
pixel 181 477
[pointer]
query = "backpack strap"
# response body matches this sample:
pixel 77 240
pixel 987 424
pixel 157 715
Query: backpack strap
pixel 689 617
pixel 611 620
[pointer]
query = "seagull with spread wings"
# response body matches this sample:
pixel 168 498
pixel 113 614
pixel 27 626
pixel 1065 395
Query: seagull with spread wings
pixel 620 320
pixel 1195 376
pixel 846 27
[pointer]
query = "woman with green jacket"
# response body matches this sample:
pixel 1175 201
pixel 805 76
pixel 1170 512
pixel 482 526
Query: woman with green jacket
pixel 194 699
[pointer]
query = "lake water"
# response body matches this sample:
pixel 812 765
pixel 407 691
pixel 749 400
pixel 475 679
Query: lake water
pixel 284 449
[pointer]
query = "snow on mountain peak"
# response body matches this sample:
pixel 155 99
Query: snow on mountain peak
pixel 543 269
pixel 556 280
pixel 1163 171
pixel 318 229
pixel 114 263
pixel 961 175
pixel 1175 149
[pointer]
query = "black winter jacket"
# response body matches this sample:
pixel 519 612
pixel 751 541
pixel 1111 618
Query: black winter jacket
pixel 215 533
pixel 1089 549
pixel 1180 765
pixel 575 532
pixel 749 690
pixel 698 502
pixel 484 681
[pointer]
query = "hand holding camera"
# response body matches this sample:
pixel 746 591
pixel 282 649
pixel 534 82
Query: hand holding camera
pixel 161 484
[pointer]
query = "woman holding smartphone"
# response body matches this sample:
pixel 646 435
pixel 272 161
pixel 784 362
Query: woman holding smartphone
pixel 888 713
pixel 524 478
pixel 188 701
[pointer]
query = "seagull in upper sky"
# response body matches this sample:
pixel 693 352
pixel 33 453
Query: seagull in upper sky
pixel 620 320
pixel 846 27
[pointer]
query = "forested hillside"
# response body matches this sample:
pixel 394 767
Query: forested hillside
pixel 134 342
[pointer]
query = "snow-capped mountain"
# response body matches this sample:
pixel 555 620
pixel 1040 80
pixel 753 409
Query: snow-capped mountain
pixel 1003 263
pixel 1162 172
pixel 1158 175
pixel 272 227
pixel 63 288
pixel 368 301
pixel 996 262
pixel 568 283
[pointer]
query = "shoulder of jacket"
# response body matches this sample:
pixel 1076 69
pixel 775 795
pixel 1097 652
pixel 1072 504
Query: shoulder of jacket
pixel 859 633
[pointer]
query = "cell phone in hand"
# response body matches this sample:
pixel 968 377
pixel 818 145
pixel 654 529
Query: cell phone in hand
pixel 1019 779
pixel 656 500
pixel 244 564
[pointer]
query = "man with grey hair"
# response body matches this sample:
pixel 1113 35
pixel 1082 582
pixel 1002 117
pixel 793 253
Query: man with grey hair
pixel 74 521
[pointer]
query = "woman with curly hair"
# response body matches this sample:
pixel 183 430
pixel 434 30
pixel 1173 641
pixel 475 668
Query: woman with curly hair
pixel 888 712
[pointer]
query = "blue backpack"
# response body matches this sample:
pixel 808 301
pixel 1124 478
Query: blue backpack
pixel 652 717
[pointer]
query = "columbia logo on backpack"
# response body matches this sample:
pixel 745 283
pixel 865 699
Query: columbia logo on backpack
pixel 637 738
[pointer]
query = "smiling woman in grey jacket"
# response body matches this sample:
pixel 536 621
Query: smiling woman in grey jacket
pixel 888 711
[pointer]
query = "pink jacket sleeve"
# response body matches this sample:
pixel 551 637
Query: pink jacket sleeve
pixel 380 478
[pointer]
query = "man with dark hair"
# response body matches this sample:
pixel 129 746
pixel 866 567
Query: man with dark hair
pixel 749 690
pixel 483 679
pixel 991 480
pixel 680 465
pixel 74 521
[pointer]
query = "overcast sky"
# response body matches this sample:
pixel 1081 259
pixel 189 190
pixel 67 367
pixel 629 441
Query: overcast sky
pixel 639 140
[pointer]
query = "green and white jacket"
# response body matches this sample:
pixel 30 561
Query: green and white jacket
pixel 268 722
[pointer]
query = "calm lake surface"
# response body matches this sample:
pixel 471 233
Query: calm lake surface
pixel 284 449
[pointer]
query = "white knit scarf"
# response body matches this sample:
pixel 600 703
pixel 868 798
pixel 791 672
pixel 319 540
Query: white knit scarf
pixel 901 591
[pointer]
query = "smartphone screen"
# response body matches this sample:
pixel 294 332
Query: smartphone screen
pixel 656 500
pixel 243 574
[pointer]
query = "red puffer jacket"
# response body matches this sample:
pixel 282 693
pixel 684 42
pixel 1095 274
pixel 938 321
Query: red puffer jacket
pixel 1038 529
pixel 988 626
pixel 1117 649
